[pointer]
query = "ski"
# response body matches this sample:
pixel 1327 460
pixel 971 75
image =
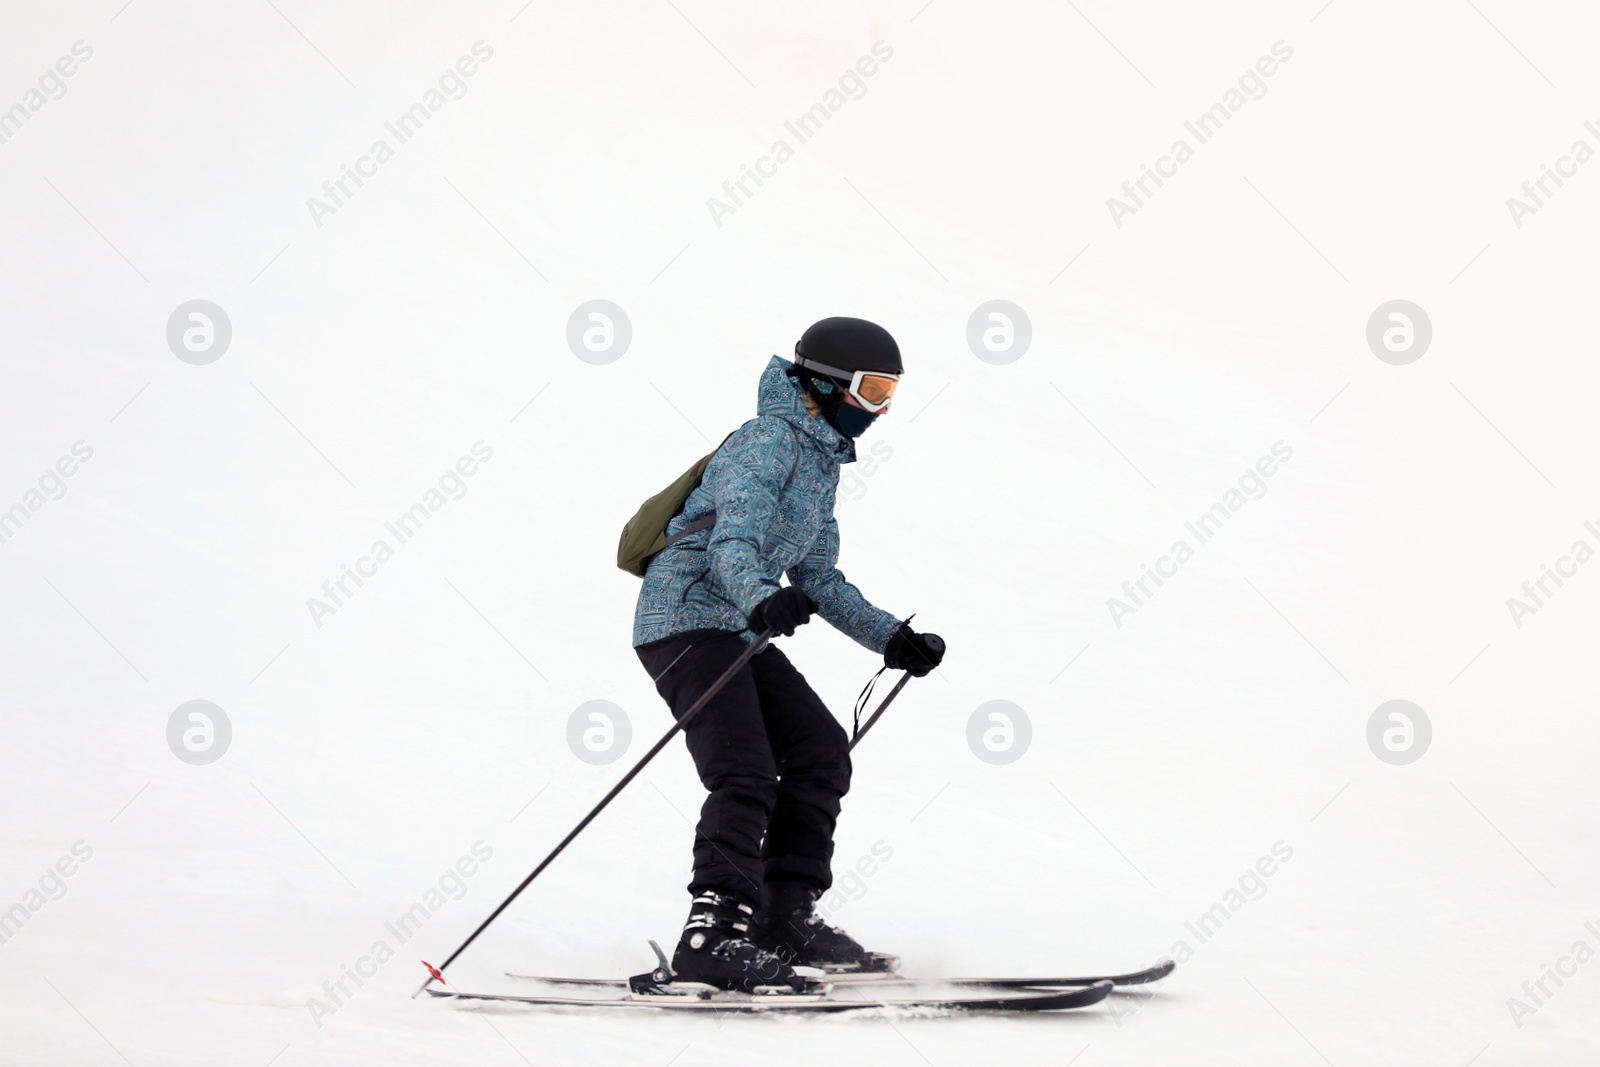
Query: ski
pixel 1141 977
pixel 861 978
pixel 717 1002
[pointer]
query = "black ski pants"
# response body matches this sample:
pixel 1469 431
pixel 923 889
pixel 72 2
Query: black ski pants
pixel 775 762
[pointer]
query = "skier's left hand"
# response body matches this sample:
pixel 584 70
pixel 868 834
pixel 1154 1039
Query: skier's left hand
pixel 914 652
pixel 783 611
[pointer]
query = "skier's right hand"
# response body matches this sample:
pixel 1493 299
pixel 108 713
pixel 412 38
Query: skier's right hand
pixel 914 652
pixel 783 611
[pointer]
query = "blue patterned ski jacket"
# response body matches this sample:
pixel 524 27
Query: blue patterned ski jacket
pixel 769 522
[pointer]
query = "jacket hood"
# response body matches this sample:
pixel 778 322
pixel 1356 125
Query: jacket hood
pixel 784 397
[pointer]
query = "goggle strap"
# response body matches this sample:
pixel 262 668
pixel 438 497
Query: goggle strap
pixel 835 372
pixel 851 380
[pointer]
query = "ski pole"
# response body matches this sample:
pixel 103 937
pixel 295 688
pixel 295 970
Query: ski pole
pixel 861 731
pixel 901 684
pixel 683 720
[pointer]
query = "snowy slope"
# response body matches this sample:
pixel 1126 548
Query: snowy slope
pixel 1179 750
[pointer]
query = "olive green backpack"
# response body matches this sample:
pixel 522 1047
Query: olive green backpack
pixel 646 533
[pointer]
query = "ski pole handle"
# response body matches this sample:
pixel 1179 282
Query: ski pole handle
pixel 935 645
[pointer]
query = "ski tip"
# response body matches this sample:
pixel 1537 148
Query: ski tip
pixel 1101 990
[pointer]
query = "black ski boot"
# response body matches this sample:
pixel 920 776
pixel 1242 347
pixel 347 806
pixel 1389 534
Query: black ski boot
pixel 715 950
pixel 790 927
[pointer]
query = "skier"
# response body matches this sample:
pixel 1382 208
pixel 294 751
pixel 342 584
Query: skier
pixel 771 755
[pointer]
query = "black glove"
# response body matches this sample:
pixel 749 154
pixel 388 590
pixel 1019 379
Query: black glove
pixel 783 611
pixel 914 652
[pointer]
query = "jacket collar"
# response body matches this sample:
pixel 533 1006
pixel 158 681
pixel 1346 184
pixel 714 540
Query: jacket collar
pixel 784 397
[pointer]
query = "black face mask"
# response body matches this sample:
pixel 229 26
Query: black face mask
pixel 848 419
pixel 851 420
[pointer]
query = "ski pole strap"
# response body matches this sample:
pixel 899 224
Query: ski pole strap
pixel 861 705
pixel 901 684
pixel 856 729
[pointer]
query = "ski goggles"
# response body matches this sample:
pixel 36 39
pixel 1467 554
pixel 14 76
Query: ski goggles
pixel 872 389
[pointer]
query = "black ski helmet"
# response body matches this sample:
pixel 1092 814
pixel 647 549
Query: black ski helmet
pixel 848 345
pixel 828 355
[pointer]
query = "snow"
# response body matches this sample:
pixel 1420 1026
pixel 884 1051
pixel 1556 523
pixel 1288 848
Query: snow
pixel 427 715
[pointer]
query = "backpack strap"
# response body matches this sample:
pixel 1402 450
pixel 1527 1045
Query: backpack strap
pixel 709 519
pixel 705 521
